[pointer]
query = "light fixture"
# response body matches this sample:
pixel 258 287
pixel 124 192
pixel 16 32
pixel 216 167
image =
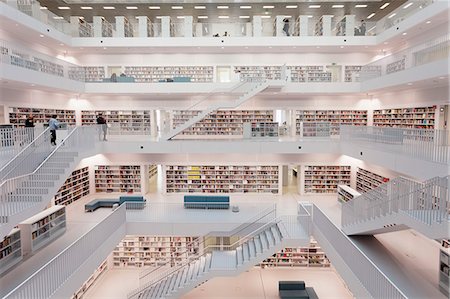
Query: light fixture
pixel 385 43
pixel 410 84
pixel 222 47
pixel 384 5
pixel 244 17
pixel 159 17
pixel 342 47
pixel 314 6
pixel 268 6
pixel 224 17
pixel 41 35
pixel 177 7
pixel 287 17
pixel 441 78
pixel 43 7
pixel 86 7
pixel 404 33
pixel 61 44
pixel 202 17
pixel 154 7
pixel 109 7
pixel 361 5
pixel 180 17
pixel 291 6
pixel 407 5
pixel 200 7
pixel 63 7
pixel 104 48
pixel 310 16
pixel 245 7
pixel 58 18
pixel 265 17
pixel 131 7
pixel 428 22
pixel 222 7
pixel 371 15
pixel 82 18
pixel 393 15
pixel 338 6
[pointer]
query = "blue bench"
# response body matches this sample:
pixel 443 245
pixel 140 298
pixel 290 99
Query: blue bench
pixel 138 203
pixel 295 290
pixel 181 79
pixel 206 202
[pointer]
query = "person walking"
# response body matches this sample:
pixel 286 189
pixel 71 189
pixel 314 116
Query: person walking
pixel 29 124
pixel 101 121
pixel 53 125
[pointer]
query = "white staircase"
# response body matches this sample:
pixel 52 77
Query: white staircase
pixel 25 195
pixel 239 257
pixel 401 204
pixel 251 89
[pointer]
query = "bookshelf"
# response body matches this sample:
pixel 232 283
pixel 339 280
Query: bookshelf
pixel 308 256
pixel 154 251
pixel 91 280
pixel 94 73
pixel 10 250
pixel 18 115
pixel 325 179
pixel 396 66
pixel 334 117
pixel 270 72
pixel 42 228
pixel 221 122
pixel 416 118
pixel 222 179
pixel 75 187
pixel 369 72
pixel 77 73
pixel 48 67
pixel 316 129
pixel 127 122
pixel 152 171
pixel 117 178
pixel 444 265
pixel 264 129
pixel 367 180
pixel 352 73
pixel 345 193
pixel 152 74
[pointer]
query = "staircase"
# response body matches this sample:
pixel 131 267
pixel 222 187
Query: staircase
pixel 238 257
pixel 401 204
pixel 23 196
pixel 251 89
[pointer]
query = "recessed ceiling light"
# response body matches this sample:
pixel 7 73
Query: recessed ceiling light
pixel 200 7
pixel 104 48
pixel 154 7
pixel 41 35
pixel 109 7
pixel 407 5
pixel 61 44
pixel 361 5
pixel 384 5
pixel 314 6
pixel 410 84
pixel 428 22
pixel 342 47
pixel 224 17
pixel 63 7
pixel 287 17
pixel 385 43
pixel 404 33
pixel 265 17
pixel 223 47
pixel 180 17
pixel 310 16
pixel 177 7
pixel 33 84
pixel 202 17
pixel 441 78
pixel 131 7
pixel 268 6
pixel 82 18
pixel 159 17
pixel 392 15
pixel 291 6
pixel 58 18
pixel 244 17
pixel 86 7
pixel 43 7
pixel 338 6
pixel 245 7
pixel 371 15
pixel 222 7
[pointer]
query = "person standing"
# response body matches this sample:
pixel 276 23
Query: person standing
pixel 362 28
pixel 101 121
pixel 286 26
pixel 29 124
pixel 53 125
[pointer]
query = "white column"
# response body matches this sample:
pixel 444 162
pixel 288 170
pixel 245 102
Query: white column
pixel 279 24
pixel 144 179
pixel 326 25
pixel 37 13
pixel 248 29
pixel 257 26
pixel 301 179
pixel 165 26
pixel 188 26
pixel 142 26
pixel 12 3
pixel 199 29
pixel 350 25
pixel 97 26
pixel 74 26
pixel 285 175
pixel 120 26
pixel 153 125
pixel 303 23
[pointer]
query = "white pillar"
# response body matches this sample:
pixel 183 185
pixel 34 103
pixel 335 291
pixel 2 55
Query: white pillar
pixel 279 24
pixel 74 26
pixel 97 26
pixel 12 3
pixel 165 26
pixel 248 29
pixel 199 29
pixel 120 26
pixel 349 25
pixel 303 23
pixel 257 26
pixel 153 125
pixel 188 26
pixel 144 179
pixel 142 26
pixel 326 25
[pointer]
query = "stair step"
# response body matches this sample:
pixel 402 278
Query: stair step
pixel 252 247
pixel 239 255
pixel 276 234
pixel 246 252
pixel 264 242
pixel 258 244
pixel 44 170
pixel 182 277
pixel 53 164
pixel 202 265
pixel 15 198
pixel 173 281
pixel 162 284
pixel 186 277
pixel 208 262
pixel 152 292
pixel 270 237
pixel 167 284
pixel 44 177
pixel 37 184
pixel 31 191
pixel 198 267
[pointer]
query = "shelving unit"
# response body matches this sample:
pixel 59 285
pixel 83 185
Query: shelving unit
pixel 345 193
pixel 94 73
pixel 10 250
pixel 444 266
pixel 222 122
pixel 396 66
pixel 417 118
pixel 42 228
pixel 370 71
pixel 334 117
pixel 152 171
pixel 222 179
pixel 18 115
pixel 125 122
pixel 311 256
pixel 74 188
pixel 155 251
pixel 91 280
pixel 117 178
pixel 367 180
pixel 325 179
pixel 154 74
pixel 316 129
pixel 264 129
pixel 352 73
pixel 270 72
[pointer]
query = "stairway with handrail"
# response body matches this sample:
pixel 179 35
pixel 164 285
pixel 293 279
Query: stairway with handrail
pixel 400 204
pixel 30 192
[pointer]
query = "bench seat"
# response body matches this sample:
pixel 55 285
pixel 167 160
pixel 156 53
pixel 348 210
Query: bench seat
pixel 206 202
pixel 100 203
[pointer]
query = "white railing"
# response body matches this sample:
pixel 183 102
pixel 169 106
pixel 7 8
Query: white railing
pixel 14 139
pixel 425 144
pixel 433 50
pixel 30 156
pixel 428 202
pixel 89 247
pixel 370 276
